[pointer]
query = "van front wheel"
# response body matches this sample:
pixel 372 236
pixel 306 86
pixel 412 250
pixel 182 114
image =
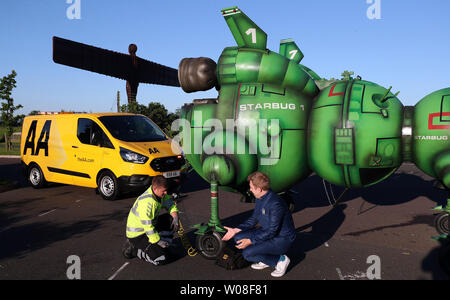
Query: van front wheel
pixel 108 186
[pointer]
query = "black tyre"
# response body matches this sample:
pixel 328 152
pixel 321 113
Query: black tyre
pixel 210 245
pixel 108 186
pixel 441 223
pixel 35 176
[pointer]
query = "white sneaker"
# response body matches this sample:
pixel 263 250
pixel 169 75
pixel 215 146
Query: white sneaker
pixel 259 266
pixel 281 267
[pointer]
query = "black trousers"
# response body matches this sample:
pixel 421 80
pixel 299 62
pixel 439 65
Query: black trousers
pixel 152 253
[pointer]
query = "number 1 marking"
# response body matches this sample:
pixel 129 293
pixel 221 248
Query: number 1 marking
pixel 252 31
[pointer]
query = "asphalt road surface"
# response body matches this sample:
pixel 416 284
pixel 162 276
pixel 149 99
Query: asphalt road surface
pixel 379 232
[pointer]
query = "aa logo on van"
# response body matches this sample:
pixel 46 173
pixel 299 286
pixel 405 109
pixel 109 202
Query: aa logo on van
pixel 153 151
pixel 42 143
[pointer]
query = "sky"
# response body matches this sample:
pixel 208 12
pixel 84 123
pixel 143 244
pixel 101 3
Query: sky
pixel 400 43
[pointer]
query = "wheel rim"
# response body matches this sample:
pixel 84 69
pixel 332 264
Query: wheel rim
pixel 107 186
pixel 442 224
pixel 35 176
pixel 209 245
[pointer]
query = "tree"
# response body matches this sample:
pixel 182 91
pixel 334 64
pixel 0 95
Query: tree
pixel 159 114
pixel 134 108
pixel 7 84
pixel 34 113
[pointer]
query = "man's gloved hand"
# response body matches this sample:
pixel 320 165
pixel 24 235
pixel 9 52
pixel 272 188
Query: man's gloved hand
pixel 175 224
pixel 163 244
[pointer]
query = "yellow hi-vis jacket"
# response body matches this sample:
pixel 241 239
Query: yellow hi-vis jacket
pixel 143 215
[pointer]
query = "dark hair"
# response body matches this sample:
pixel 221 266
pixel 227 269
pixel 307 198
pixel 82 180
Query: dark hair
pixel 160 181
pixel 260 180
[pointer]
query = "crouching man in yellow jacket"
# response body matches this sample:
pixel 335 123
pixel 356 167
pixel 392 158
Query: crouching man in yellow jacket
pixel 146 229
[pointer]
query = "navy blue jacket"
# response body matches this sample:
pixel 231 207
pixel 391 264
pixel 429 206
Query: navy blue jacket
pixel 272 213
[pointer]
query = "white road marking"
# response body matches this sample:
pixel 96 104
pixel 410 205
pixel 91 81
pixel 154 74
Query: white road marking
pixel 46 213
pixel 357 275
pixel 340 274
pixel 118 271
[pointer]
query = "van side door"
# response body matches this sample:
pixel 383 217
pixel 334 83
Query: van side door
pixel 87 152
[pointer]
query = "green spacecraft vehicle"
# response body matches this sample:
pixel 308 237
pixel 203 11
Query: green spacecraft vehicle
pixel 277 116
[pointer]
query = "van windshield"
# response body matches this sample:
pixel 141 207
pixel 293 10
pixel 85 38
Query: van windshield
pixel 133 128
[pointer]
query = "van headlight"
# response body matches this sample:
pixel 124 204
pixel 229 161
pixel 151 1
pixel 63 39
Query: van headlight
pixel 133 157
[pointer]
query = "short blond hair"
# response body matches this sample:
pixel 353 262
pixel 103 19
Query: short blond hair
pixel 259 180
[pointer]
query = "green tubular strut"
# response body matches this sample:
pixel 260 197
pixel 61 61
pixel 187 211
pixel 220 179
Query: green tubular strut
pixel 214 222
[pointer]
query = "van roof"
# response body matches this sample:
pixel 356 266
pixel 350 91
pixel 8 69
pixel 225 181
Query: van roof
pixel 65 114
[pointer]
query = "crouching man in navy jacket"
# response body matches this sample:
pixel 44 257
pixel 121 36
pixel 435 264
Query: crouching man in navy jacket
pixel 267 245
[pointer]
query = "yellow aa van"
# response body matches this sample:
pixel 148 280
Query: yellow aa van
pixel 112 152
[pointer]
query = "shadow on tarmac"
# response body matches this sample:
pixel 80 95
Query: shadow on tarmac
pixel 193 183
pixel 13 173
pixel 437 261
pixel 321 231
pixel 23 239
pixel 397 189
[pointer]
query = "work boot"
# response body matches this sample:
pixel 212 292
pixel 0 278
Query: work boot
pixel 128 250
